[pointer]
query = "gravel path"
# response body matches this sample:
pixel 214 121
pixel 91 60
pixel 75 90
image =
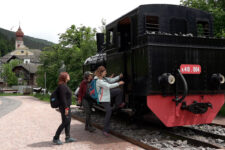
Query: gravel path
pixel 33 124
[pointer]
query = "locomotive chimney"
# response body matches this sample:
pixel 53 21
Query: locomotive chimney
pixel 100 41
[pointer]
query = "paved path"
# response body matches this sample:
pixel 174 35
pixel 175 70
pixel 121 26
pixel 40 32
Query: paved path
pixel 32 125
pixel 219 120
pixel 8 105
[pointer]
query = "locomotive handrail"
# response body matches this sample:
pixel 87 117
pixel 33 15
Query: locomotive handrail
pixel 177 99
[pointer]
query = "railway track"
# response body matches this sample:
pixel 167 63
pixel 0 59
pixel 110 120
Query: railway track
pixel 200 137
pixel 213 133
pixel 216 129
pixel 146 136
pixel 216 124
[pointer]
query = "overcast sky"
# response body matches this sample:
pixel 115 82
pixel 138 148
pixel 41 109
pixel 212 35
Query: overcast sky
pixel 45 19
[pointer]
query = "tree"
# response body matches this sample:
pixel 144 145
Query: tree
pixel 6 45
pixel 103 26
pixel 215 7
pixel 75 46
pixel 8 75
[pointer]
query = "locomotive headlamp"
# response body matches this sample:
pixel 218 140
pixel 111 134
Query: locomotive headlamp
pixel 222 79
pixel 218 78
pixel 166 78
pixel 171 79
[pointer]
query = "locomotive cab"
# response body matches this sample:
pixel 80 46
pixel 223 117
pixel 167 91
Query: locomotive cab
pixel 173 66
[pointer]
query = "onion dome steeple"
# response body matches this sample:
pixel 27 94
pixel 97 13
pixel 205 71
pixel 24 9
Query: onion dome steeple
pixel 19 34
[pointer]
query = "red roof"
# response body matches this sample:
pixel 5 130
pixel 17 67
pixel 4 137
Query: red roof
pixel 19 32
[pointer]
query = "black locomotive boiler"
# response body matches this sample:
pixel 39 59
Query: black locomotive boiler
pixel 173 66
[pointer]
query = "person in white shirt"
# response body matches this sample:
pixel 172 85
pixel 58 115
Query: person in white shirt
pixel 108 90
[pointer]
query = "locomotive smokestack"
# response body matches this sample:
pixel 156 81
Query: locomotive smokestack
pixel 100 41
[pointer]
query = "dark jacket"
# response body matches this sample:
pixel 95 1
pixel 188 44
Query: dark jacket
pixel 65 95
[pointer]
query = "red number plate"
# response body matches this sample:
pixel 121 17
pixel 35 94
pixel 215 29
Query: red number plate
pixel 190 69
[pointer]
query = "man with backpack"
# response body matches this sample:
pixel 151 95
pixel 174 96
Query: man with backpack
pixel 87 102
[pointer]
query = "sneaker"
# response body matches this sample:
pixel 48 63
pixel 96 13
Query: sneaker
pixel 106 134
pixel 57 142
pixel 86 128
pixel 69 140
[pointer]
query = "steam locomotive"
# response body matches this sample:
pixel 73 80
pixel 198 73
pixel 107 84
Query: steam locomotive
pixel 173 66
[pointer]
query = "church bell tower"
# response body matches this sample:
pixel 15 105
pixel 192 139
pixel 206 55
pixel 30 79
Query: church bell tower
pixel 19 39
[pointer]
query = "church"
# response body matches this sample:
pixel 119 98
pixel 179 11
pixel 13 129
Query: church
pixel 30 60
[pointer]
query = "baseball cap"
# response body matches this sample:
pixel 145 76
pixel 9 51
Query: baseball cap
pixel 87 73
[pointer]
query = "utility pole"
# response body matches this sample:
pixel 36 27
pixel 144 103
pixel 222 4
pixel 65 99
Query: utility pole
pixel 45 82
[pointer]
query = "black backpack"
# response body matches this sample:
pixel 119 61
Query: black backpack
pixel 54 100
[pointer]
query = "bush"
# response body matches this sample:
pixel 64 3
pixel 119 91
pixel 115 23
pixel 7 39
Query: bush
pixel 222 111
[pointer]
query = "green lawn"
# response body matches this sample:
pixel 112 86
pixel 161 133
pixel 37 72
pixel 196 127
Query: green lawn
pixel 10 94
pixel 47 98
pixel 43 97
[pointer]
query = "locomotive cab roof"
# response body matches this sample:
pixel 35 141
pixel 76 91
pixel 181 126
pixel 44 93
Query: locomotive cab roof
pixel 158 18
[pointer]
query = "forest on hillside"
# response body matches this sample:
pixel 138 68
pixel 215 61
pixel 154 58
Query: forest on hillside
pixel 6 45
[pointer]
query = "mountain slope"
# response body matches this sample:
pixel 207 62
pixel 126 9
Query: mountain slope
pixel 6 45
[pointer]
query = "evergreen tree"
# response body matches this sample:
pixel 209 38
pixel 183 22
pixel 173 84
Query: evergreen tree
pixel 6 45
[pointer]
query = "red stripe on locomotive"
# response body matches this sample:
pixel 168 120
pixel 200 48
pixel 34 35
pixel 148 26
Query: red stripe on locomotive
pixel 171 115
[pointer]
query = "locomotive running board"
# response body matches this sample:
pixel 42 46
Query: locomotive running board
pixel 128 111
pixel 99 108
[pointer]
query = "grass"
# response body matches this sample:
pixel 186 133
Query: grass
pixel 43 97
pixel 11 94
pixel 46 98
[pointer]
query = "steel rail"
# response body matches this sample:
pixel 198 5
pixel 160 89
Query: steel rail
pixel 204 133
pixel 193 141
pixel 216 124
pixel 189 140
